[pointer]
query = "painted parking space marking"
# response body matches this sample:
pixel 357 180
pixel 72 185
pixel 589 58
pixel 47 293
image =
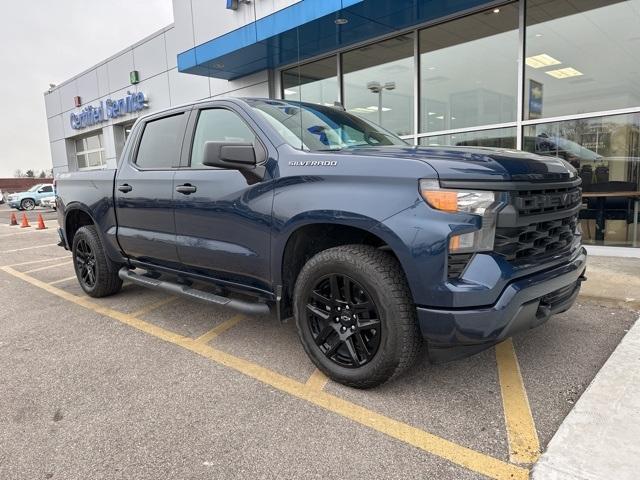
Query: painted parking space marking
pixel 47 267
pixel 152 307
pixel 62 280
pixel 23 232
pixel 220 329
pixel 317 380
pixel 524 446
pixel 29 248
pixel 42 260
pixel 430 443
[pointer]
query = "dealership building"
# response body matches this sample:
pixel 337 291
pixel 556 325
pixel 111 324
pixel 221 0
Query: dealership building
pixel 555 77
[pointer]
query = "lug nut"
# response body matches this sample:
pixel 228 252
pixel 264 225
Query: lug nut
pixel 347 307
pixel 343 329
pixel 337 319
pixel 353 328
pixel 328 307
pixel 355 317
pixel 338 309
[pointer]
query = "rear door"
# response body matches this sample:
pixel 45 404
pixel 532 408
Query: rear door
pixel 223 224
pixel 144 190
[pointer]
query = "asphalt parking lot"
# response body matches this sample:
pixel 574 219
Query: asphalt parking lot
pixel 145 386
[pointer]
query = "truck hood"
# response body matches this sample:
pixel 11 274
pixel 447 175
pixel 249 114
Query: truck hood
pixel 478 163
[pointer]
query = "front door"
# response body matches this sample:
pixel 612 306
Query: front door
pixel 144 191
pixel 223 222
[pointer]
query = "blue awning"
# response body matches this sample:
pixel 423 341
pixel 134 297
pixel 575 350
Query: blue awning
pixel 307 29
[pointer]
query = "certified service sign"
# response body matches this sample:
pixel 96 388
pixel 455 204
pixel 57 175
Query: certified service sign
pixel 92 115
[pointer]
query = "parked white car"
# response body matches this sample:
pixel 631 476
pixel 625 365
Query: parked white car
pixel 48 202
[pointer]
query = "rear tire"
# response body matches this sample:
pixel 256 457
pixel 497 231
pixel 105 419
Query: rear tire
pixel 96 273
pixel 380 340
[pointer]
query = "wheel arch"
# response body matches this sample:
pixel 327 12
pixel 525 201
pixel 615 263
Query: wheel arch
pixel 77 215
pixel 311 238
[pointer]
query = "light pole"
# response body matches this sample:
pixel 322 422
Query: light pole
pixel 377 87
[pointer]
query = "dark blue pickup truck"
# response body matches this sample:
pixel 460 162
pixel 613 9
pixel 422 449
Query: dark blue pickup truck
pixel 372 245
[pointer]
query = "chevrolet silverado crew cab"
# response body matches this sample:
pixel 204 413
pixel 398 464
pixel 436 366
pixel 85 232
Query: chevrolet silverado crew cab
pixel 372 245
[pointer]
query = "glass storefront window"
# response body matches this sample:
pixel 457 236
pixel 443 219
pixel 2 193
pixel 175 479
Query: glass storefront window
pixel 606 153
pixel 497 137
pixel 581 56
pixel 378 83
pixel 469 71
pixel 315 82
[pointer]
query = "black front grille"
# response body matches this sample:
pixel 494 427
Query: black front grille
pixel 536 202
pixel 457 262
pixel 536 239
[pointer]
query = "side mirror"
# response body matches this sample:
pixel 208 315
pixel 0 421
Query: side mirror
pixel 236 156
pixel 229 155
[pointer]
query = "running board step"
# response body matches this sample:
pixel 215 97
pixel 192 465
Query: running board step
pixel 251 308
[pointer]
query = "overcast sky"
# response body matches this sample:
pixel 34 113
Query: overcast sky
pixel 49 41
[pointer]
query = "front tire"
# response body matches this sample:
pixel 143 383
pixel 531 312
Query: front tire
pixel 96 273
pixel 355 316
pixel 27 204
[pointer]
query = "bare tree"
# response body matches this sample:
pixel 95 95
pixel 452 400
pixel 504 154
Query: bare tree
pixel 29 173
pixel 18 173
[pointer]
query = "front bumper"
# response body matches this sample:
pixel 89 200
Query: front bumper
pixel 13 203
pixel 525 303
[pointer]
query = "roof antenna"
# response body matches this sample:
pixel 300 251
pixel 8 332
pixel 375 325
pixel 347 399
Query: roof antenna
pixel 339 106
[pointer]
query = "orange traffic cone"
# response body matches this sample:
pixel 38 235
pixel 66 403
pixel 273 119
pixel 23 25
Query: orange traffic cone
pixel 25 221
pixel 41 225
pixel 13 221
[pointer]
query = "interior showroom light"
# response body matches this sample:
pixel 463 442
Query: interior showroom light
pixel 542 60
pixel 564 73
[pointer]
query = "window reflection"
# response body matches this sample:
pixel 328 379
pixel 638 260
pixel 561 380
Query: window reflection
pixel 581 56
pixel 497 137
pixel 606 153
pixel 315 82
pixel 378 83
pixel 469 70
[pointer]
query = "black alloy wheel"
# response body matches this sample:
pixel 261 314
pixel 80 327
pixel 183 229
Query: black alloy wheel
pixel 344 321
pixel 85 264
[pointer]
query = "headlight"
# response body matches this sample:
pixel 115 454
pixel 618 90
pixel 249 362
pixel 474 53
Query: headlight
pixel 476 202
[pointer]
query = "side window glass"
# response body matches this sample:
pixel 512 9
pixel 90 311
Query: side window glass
pixel 161 142
pixel 47 189
pixel 218 125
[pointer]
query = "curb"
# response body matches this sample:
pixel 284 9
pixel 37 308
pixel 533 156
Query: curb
pixel 599 437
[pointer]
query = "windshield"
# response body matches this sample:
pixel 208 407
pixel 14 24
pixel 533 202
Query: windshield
pixel 34 188
pixel 316 127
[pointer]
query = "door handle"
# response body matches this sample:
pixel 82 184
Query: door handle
pixel 125 188
pixel 186 189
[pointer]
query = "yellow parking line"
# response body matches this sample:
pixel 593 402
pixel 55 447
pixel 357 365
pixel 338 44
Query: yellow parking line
pixel 153 306
pixel 219 329
pixel 29 248
pixel 62 280
pixel 31 262
pixel 46 267
pixel 457 454
pixel 317 380
pixel 524 446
